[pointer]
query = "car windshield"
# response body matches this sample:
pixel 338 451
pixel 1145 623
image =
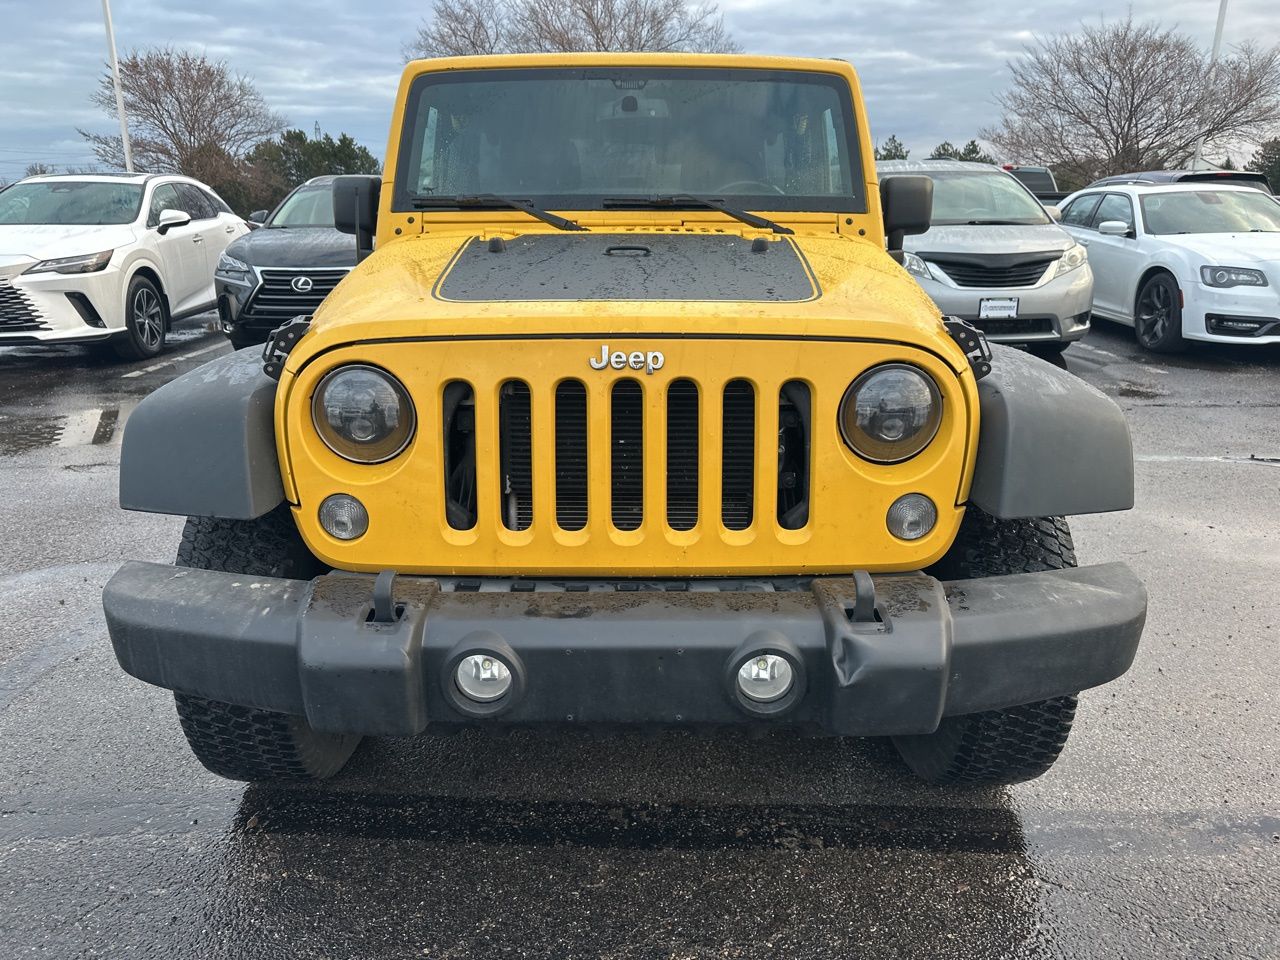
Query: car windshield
pixel 70 202
pixel 982 198
pixel 768 139
pixel 1210 211
pixel 305 207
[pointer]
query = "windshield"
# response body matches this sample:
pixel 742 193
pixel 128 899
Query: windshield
pixel 69 202
pixel 773 140
pixel 1210 211
pixel 305 207
pixel 965 197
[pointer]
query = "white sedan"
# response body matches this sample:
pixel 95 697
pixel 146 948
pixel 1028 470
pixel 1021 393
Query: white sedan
pixel 1183 261
pixel 108 258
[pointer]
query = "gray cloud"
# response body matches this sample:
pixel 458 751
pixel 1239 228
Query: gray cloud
pixel 929 68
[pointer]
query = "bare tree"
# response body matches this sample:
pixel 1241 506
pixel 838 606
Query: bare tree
pixel 187 114
pixel 1128 96
pixel 462 27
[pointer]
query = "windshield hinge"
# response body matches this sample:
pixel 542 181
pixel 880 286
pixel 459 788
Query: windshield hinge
pixel 972 342
pixel 279 342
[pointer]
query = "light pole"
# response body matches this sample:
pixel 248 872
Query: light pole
pixel 115 79
pixel 1213 62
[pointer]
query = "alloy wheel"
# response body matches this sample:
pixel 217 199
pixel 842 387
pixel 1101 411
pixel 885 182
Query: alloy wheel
pixel 1154 312
pixel 148 318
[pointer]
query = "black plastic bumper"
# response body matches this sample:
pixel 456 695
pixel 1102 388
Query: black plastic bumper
pixel 608 656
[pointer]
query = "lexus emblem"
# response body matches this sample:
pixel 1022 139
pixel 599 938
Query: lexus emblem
pixel 302 284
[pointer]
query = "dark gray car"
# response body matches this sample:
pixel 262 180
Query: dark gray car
pixel 285 269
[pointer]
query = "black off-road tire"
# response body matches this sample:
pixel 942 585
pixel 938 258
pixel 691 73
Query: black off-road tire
pixel 1022 742
pixel 244 743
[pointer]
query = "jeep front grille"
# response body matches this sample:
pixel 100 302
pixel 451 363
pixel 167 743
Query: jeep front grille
pixel 17 312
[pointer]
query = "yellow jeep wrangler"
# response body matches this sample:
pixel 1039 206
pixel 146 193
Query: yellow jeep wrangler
pixel 627 416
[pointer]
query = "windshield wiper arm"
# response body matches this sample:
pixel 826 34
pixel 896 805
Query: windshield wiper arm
pixel 479 201
pixel 689 199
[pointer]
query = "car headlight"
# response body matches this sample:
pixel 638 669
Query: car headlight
pixel 1075 257
pixel 1232 277
pixel 85 263
pixel 363 414
pixel 890 413
pixel 915 266
pixel 231 266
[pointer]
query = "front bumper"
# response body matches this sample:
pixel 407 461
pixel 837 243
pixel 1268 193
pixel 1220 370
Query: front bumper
pixel 631 652
pixel 1055 311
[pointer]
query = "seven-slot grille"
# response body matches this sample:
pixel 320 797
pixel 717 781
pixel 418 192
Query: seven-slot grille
pixel 276 301
pixel 637 421
pixel 974 274
pixel 17 312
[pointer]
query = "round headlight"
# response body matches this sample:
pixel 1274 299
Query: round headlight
pixel 363 414
pixel 890 413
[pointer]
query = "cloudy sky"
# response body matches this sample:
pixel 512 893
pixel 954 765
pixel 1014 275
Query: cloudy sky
pixel 929 67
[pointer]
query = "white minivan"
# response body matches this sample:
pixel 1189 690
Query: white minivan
pixel 108 257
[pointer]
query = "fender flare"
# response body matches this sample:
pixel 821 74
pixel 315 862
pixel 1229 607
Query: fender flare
pixel 204 445
pixel 1049 444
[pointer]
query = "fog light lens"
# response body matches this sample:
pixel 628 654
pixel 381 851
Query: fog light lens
pixel 344 517
pixel 765 677
pixel 911 517
pixel 483 678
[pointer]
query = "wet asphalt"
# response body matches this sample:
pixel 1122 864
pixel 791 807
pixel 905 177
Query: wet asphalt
pixel 1156 835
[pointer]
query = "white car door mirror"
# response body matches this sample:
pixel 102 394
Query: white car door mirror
pixel 1113 228
pixel 1054 212
pixel 172 218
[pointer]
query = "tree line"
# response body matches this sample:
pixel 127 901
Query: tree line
pixel 1113 97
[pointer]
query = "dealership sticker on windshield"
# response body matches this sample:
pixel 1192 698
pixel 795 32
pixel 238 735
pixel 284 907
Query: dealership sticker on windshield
pixel 1001 308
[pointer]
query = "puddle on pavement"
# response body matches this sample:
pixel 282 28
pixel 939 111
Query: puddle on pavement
pixel 97 427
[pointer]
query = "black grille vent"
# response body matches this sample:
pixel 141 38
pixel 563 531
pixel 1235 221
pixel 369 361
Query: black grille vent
pixel 793 455
pixel 1014 326
pixel 571 455
pixel 626 438
pixel 460 455
pixel 737 490
pixel 276 301
pixel 515 437
pixel 975 274
pixel 682 455
pixel 17 312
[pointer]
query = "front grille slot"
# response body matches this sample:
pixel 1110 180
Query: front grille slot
pixel 682 455
pixel 460 455
pixel 626 459
pixel 967 274
pixel 515 437
pixel 794 431
pixel 738 460
pixel 571 455
pixel 17 312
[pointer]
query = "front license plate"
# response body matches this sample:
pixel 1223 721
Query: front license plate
pixel 1000 308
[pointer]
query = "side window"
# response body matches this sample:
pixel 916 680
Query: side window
pixel 1079 211
pixel 195 202
pixel 218 205
pixel 164 197
pixel 1114 206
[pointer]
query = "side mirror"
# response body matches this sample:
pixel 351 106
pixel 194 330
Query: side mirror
pixel 1054 212
pixel 1113 228
pixel 170 219
pixel 907 205
pixel 355 209
pixel 259 216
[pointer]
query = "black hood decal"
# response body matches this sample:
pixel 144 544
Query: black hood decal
pixel 628 266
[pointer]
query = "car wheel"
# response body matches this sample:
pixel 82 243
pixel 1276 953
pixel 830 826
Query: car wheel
pixel 1018 743
pixel 1157 321
pixel 146 318
pixel 244 743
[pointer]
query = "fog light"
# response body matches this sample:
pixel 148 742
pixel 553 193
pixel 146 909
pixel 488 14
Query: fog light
pixel 344 517
pixel 483 678
pixel 911 517
pixel 765 677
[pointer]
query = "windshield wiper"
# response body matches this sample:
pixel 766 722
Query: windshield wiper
pixel 687 200
pixel 480 201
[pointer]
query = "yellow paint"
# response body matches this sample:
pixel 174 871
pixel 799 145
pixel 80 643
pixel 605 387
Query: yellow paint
pixel 867 311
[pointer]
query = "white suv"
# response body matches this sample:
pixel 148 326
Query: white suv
pixel 110 257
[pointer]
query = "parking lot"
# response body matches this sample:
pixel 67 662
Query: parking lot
pixel 1156 835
